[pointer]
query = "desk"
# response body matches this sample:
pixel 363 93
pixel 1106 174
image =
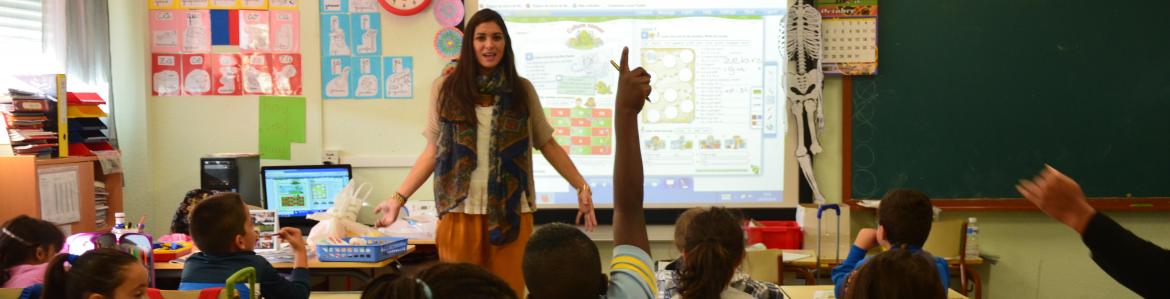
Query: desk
pixel 335 295
pixel 420 242
pixel 807 292
pixel 362 271
pixel 831 261
pixel 805 266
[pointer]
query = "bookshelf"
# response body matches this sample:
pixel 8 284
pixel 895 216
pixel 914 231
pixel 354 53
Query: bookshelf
pixel 18 179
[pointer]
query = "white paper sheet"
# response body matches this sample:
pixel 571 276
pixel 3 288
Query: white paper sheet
pixel 60 199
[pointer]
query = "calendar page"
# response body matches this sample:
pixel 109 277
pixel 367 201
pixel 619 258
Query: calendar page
pixel 849 36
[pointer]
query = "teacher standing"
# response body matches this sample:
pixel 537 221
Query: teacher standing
pixel 483 122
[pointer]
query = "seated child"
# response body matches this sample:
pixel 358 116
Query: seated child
pixel 180 224
pixel 669 280
pixel 26 246
pixel 560 261
pixel 223 230
pixel 99 273
pixel 441 281
pixel 894 274
pixel 904 220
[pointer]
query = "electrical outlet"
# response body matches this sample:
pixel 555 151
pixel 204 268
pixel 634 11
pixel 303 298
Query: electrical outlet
pixel 331 157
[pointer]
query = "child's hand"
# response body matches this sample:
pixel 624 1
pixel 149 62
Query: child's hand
pixel 293 237
pixel 1058 196
pixel 866 238
pixel 633 86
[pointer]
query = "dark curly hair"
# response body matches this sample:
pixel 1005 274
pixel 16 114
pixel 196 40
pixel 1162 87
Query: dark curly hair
pixel 181 223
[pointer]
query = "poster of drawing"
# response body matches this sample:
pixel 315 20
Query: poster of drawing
pixel 257 72
pixel 399 73
pixel 285 31
pixel 366 36
pixel 254 4
pixel 193 4
pixel 286 71
pixel 165 27
pixel 334 6
pixel 225 74
pixel 254 31
pixel 366 78
pixel 364 6
pixel 225 4
pixel 196 74
pixel 335 35
pixel 164 69
pixel 283 5
pixel 196 31
pixel 163 4
pixel 335 77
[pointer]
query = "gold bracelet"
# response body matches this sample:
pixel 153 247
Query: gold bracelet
pixel 400 198
pixel 584 188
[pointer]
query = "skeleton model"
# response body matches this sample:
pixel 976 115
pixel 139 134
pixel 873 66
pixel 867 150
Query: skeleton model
pixel 804 84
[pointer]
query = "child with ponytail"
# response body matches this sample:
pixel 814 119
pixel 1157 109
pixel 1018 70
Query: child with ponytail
pixel 711 254
pixel 26 245
pixel 98 274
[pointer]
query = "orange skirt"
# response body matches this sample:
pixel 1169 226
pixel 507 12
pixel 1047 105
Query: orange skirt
pixel 462 238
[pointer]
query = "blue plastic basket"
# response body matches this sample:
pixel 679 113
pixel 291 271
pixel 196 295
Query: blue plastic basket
pixel 380 248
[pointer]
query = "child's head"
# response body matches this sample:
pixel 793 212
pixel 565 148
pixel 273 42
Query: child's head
pixel 221 224
pixel 904 218
pixel 181 224
pixel 898 273
pixel 560 261
pixel 711 253
pixel 680 227
pixel 24 240
pixel 97 274
pixel 443 280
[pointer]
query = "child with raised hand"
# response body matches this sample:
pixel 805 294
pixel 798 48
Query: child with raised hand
pixel 26 246
pixel 104 273
pixel 560 261
pixel 223 230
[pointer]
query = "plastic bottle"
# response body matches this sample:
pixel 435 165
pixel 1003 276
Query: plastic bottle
pixel 119 224
pixel 972 249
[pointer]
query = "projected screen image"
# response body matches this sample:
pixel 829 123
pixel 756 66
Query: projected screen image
pixel 300 192
pixel 714 131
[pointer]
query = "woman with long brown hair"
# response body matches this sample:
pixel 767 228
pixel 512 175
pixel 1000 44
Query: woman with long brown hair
pixel 483 123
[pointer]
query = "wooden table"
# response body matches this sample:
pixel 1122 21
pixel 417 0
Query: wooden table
pixel 335 295
pixel 420 242
pixel 362 271
pixel 809 292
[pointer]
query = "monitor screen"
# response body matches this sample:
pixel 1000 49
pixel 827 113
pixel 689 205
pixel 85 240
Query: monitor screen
pixel 714 130
pixel 297 191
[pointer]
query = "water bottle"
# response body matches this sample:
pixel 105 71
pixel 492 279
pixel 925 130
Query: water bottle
pixel 972 249
pixel 119 224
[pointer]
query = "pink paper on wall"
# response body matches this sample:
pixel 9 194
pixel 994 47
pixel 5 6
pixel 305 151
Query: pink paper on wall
pixel 225 74
pixel 257 73
pixel 286 72
pixel 196 31
pixel 285 31
pixel 196 74
pixel 254 31
pixel 164 69
pixel 166 26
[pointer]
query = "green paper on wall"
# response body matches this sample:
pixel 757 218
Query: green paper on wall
pixel 282 120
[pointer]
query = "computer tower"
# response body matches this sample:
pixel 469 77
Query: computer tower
pixel 239 173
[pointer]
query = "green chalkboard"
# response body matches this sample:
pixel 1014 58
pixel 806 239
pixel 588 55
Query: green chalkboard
pixel 971 96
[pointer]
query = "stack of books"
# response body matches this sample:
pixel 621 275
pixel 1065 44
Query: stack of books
pixel 101 203
pixel 86 129
pixel 31 127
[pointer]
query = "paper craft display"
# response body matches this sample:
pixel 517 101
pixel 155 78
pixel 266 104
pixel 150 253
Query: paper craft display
pixel 196 74
pixel 367 39
pixel 165 70
pixel 225 4
pixel 335 35
pixel 163 4
pixel 850 37
pixel 257 72
pixel 399 73
pixel 335 77
pixel 334 6
pixel 448 13
pixel 225 27
pixel 448 41
pixel 364 6
pixel 193 4
pixel 366 78
pixel 285 31
pixel 254 31
pixel 196 31
pixel 225 74
pixel 283 5
pixel 165 28
pixel 286 71
pixel 254 4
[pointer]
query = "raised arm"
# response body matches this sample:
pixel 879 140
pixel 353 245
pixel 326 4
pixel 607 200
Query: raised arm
pixel 629 219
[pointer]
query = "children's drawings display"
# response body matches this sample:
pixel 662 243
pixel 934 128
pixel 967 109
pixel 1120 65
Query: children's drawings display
pixel 448 42
pixel 335 77
pixel 448 13
pixel 365 37
pixel 399 73
pixel 351 49
pixel 368 74
pixel 267 63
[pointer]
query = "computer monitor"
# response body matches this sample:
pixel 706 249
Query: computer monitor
pixel 298 191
